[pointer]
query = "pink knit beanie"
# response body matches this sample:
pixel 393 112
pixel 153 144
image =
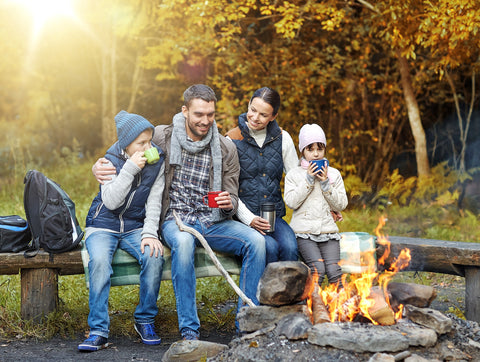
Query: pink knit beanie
pixel 311 133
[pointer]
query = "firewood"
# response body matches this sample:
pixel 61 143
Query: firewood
pixel 380 311
pixel 319 311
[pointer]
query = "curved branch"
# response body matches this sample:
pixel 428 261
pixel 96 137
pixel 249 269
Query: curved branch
pixel 214 258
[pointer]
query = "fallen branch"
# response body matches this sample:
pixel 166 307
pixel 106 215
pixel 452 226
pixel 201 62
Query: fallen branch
pixel 214 258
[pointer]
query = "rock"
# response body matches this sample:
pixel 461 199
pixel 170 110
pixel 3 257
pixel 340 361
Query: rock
pixel 450 353
pixel 429 318
pixel 192 351
pixel 417 358
pixel 254 318
pixel 410 293
pixel 416 334
pixel 381 357
pixel 363 338
pixel 284 282
pixel 294 326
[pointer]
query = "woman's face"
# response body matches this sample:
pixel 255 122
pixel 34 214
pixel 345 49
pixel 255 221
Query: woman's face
pixel 259 114
pixel 315 151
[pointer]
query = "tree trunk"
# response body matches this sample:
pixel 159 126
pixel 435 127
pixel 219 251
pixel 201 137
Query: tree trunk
pixel 463 126
pixel 113 79
pixel 136 78
pixel 109 93
pixel 423 166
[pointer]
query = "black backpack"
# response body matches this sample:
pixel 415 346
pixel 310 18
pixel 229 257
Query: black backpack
pixel 14 234
pixel 50 214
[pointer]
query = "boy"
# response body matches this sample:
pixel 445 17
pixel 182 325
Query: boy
pixel 125 214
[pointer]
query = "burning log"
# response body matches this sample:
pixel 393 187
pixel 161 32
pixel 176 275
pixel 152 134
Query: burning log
pixel 380 311
pixel 319 310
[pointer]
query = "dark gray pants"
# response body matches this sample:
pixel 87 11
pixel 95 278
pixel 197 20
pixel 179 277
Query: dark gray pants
pixel 322 257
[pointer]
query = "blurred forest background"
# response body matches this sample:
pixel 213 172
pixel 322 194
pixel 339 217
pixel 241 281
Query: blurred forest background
pixel 393 84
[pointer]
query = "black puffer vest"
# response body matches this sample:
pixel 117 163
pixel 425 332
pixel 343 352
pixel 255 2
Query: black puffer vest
pixel 261 168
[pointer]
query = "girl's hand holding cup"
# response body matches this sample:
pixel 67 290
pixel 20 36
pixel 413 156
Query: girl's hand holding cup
pixel 319 168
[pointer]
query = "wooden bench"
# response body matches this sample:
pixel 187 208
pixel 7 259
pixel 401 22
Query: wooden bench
pixel 39 278
pixel 39 275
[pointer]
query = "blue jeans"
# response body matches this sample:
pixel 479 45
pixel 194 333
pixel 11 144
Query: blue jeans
pixel 101 246
pixel 227 236
pixel 281 245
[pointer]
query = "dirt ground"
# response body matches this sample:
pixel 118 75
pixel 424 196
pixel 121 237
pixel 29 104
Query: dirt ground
pixel 119 349
pixel 450 297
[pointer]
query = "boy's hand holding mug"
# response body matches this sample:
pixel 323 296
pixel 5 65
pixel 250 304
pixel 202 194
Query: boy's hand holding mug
pixel 139 159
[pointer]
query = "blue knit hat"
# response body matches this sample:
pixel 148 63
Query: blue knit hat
pixel 129 127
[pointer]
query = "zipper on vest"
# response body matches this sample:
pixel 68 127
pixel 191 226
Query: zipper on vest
pixel 97 211
pixel 129 202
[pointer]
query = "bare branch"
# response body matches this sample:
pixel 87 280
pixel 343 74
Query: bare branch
pixel 369 6
pixel 214 258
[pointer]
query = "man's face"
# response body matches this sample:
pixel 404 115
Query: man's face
pixel 199 118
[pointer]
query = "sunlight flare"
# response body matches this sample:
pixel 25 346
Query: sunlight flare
pixel 44 10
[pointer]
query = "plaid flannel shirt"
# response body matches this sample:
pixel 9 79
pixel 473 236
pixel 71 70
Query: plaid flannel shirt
pixel 190 183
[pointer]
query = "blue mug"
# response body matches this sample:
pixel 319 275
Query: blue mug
pixel 320 163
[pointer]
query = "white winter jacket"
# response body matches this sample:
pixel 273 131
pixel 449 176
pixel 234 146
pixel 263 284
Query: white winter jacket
pixel 311 206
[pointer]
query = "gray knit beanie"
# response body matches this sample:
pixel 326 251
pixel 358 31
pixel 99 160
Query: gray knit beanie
pixel 129 127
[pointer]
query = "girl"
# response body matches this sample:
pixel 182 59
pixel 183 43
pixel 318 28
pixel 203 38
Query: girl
pixel 313 193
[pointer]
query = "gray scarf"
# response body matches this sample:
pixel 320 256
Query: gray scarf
pixel 179 141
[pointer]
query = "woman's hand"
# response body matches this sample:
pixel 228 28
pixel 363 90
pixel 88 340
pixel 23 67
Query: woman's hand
pixel 260 224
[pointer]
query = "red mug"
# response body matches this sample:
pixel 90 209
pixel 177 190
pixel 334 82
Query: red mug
pixel 211 198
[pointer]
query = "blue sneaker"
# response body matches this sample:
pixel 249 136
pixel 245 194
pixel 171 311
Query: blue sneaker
pixel 147 333
pixel 190 335
pixel 93 343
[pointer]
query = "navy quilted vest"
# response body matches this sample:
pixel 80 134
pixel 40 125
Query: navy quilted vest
pixel 131 214
pixel 261 168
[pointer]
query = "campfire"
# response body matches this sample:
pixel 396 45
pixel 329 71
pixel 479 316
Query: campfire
pixel 363 316
pixel 363 296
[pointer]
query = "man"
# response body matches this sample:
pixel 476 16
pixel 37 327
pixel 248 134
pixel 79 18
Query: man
pixel 197 160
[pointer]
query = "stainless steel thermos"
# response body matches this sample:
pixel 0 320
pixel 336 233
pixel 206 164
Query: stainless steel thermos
pixel 267 212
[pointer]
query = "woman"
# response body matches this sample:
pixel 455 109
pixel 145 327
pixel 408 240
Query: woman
pixel 265 152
